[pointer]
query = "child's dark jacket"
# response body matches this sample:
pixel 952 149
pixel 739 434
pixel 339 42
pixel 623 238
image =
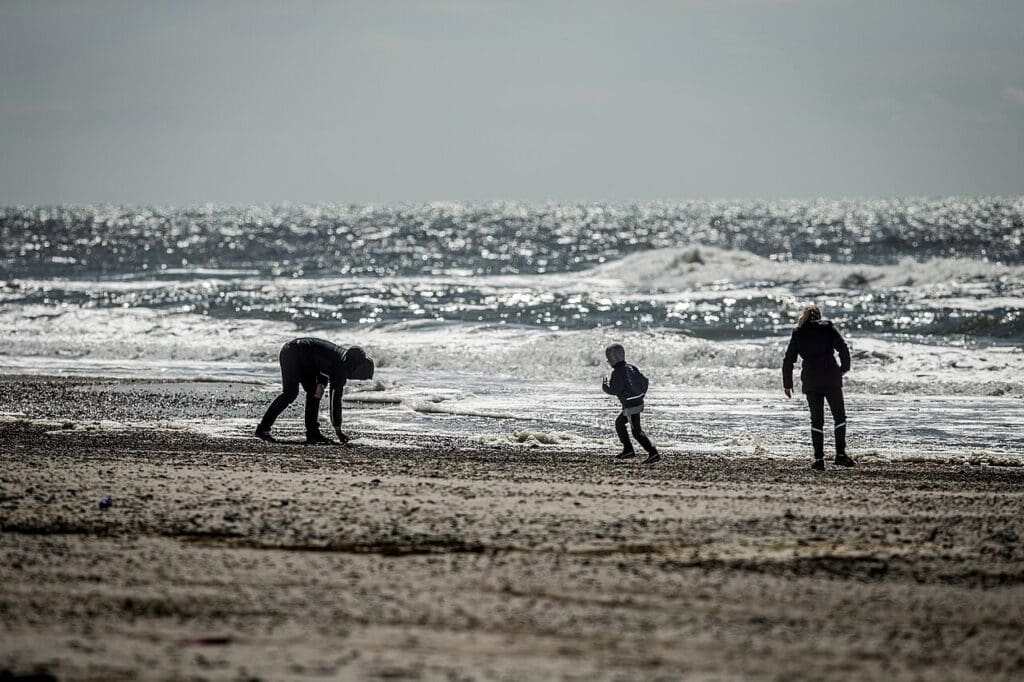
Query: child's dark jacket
pixel 627 384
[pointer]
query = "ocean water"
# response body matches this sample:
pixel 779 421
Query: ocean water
pixel 489 320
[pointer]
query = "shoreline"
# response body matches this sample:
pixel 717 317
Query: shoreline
pixel 228 558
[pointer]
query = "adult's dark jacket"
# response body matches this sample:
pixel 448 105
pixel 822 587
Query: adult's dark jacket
pixel 817 343
pixel 321 361
pixel 627 384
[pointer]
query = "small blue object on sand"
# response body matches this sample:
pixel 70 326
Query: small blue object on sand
pixel 106 503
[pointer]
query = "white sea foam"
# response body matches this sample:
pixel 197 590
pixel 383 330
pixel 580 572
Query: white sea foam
pixel 142 334
pixel 532 438
pixel 120 342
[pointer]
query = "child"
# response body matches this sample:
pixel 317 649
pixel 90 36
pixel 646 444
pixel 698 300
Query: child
pixel 629 386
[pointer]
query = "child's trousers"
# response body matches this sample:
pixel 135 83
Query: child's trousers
pixel 638 432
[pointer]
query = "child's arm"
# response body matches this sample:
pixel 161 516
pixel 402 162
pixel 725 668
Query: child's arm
pixel 616 384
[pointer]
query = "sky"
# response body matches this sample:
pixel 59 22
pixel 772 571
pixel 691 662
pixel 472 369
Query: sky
pixel 178 103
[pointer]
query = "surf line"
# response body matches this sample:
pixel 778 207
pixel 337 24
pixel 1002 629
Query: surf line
pixel 435 408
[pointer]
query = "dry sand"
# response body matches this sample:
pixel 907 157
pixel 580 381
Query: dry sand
pixel 226 558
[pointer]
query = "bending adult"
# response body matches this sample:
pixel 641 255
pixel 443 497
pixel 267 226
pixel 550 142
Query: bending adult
pixel 315 365
pixel 817 341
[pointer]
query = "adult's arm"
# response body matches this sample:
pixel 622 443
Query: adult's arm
pixel 337 387
pixel 788 362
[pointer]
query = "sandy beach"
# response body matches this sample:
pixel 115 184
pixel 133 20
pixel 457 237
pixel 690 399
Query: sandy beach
pixel 228 558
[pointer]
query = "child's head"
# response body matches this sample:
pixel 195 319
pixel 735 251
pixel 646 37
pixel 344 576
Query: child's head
pixel 615 354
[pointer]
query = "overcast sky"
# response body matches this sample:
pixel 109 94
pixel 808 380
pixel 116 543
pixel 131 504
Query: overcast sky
pixel 241 102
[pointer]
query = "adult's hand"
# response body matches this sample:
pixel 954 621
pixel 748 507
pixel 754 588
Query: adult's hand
pixel 789 392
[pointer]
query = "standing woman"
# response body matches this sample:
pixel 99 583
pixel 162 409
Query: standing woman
pixel 816 341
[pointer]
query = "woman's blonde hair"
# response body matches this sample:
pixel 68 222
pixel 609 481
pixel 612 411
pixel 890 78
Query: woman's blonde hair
pixel 811 312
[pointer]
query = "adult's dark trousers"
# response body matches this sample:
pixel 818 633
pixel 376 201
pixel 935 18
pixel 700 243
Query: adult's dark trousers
pixel 291 380
pixel 638 432
pixel 816 401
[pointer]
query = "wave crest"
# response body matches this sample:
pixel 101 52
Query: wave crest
pixel 683 268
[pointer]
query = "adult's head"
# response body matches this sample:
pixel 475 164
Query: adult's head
pixel 357 365
pixel 615 353
pixel 811 312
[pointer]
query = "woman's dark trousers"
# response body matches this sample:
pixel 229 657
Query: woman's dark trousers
pixel 816 401
pixel 638 433
pixel 291 381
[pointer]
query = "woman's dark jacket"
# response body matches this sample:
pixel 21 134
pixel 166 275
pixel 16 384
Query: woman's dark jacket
pixel 816 342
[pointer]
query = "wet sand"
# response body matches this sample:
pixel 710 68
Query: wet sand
pixel 228 558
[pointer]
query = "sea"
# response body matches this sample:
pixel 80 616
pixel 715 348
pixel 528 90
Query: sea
pixel 488 321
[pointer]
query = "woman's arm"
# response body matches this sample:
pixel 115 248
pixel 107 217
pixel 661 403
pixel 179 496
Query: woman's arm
pixel 839 344
pixel 787 364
